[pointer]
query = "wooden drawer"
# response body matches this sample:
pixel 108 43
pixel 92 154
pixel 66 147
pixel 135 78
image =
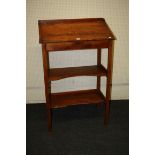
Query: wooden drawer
pixel 76 45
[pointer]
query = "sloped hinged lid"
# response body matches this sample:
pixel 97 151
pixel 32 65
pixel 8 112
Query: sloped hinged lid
pixel 69 30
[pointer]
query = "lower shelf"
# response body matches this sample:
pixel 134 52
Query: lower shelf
pixel 92 96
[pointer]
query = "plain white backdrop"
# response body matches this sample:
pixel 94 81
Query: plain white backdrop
pixel 141 91
pixel 13 77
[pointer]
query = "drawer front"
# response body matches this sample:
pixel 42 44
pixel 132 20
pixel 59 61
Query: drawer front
pixel 77 45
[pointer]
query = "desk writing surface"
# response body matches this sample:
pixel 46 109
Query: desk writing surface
pixel 71 30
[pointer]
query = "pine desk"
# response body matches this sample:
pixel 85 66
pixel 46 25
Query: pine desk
pixel 76 34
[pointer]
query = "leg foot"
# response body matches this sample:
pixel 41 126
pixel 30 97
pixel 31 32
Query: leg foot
pixel 106 115
pixel 49 120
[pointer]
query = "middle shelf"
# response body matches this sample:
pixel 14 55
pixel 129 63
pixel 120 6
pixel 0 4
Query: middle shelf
pixel 60 73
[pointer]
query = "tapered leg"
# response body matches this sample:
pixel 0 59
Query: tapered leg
pixel 47 84
pixel 48 100
pixel 98 77
pixel 109 83
pixel 49 110
pixel 49 114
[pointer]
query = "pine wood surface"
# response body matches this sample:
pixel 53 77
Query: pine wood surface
pixel 60 73
pixel 76 97
pixel 74 34
pixel 74 30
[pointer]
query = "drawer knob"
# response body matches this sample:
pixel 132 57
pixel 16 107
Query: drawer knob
pixel 77 38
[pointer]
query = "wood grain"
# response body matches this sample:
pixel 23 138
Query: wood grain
pixel 51 31
pixel 45 56
pixel 76 45
pixel 99 64
pixel 75 34
pixel 76 97
pixel 60 73
pixel 109 83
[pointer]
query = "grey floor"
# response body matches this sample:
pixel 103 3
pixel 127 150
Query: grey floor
pixel 78 130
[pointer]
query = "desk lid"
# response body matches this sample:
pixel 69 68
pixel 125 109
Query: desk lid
pixel 68 30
